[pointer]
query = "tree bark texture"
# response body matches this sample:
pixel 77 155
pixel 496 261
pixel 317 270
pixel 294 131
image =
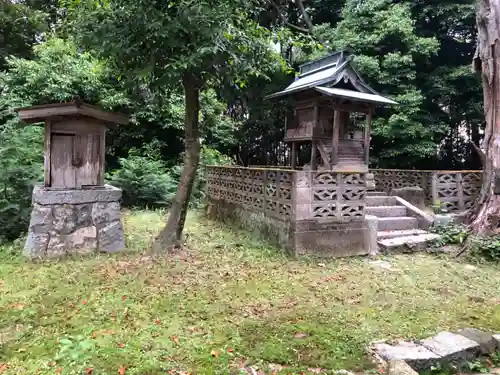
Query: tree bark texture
pixel 171 235
pixel 487 62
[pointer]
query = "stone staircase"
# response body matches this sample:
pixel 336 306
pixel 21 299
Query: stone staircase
pixel 397 230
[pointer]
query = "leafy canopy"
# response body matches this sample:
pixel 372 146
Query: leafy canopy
pixel 210 39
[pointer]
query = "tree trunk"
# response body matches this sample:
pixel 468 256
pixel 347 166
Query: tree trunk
pixel 487 61
pixel 170 236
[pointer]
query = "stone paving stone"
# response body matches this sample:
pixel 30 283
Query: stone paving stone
pixel 417 356
pixel 398 367
pixel 452 347
pixel 497 339
pixel 486 341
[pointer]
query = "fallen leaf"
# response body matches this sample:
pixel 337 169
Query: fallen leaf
pixel 300 335
pixel 122 370
pixel 17 306
pixel 215 353
pixel 175 339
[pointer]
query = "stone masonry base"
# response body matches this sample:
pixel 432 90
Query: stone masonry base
pixel 305 237
pixel 74 222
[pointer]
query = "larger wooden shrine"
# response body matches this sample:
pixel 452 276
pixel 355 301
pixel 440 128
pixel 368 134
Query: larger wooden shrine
pixel 330 126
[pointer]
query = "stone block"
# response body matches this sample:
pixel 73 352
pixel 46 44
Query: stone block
pixel 371 234
pixel 64 219
pixel 412 194
pixel 36 244
pixel 41 219
pixel 398 367
pixel 496 337
pixel 83 215
pixel 74 221
pixel 486 341
pixel 452 347
pixel 416 356
pixel 442 219
pixel 105 212
pixel 48 196
pixel 111 237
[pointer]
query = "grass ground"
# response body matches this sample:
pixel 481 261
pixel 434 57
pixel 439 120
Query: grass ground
pixel 224 301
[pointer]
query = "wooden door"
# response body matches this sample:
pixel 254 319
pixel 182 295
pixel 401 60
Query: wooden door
pixel 87 150
pixel 62 171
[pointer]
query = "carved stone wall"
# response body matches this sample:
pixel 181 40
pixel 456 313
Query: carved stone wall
pixel 450 190
pixel 307 212
pixel 456 190
pixel 388 179
pixel 256 190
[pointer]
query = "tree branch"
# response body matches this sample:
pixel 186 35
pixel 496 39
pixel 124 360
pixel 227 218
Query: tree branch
pixel 302 9
pixel 285 21
pixel 480 152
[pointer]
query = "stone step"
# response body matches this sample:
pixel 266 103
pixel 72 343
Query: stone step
pixel 401 244
pixel 399 233
pixel 380 201
pixel 386 211
pixel 376 194
pixel 397 223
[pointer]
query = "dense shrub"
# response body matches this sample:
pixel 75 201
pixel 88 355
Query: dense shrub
pixel 21 166
pixel 146 182
pixel 143 179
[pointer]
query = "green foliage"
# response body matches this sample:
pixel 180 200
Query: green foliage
pixel 487 247
pixel 451 234
pixel 21 161
pixel 58 73
pixel 209 39
pixel 20 25
pixel 143 179
pixel 146 182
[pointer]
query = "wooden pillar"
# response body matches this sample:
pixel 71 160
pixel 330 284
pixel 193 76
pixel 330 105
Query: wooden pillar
pixel 314 149
pixel 335 138
pixel 367 136
pixel 294 155
pixel 47 149
pixel 314 155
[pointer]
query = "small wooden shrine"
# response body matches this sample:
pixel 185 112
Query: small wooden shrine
pixel 74 211
pixel 75 135
pixel 330 126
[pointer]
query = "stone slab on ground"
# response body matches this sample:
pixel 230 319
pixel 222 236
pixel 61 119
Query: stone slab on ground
pixel 407 243
pixel 416 356
pixel 486 341
pixel 381 235
pixel 452 347
pixel 398 367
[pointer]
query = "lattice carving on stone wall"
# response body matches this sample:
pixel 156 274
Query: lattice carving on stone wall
pixel 259 190
pixel 456 190
pixel 388 179
pixel 338 195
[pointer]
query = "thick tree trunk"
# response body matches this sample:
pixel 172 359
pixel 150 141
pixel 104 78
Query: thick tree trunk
pixel 487 61
pixel 170 237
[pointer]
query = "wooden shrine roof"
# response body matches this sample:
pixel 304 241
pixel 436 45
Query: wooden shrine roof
pixel 40 113
pixel 323 75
